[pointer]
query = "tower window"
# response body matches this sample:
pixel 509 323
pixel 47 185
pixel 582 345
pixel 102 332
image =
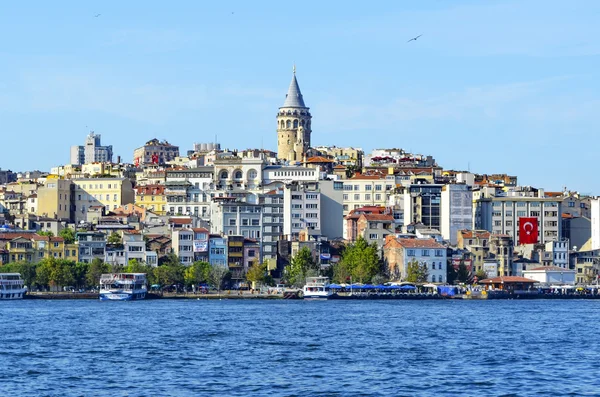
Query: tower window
pixel 295 123
pixel 302 123
pixel 288 124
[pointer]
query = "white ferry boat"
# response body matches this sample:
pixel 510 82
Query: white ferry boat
pixel 123 286
pixel 317 288
pixel 11 286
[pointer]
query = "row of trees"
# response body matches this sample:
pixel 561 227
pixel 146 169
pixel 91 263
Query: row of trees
pixel 53 273
pixel 359 263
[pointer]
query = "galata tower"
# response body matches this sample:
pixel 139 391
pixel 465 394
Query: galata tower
pixel 293 125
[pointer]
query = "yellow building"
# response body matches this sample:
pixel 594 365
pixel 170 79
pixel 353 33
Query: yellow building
pixel 152 198
pixel 110 193
pixel 54 198
pixel 31 247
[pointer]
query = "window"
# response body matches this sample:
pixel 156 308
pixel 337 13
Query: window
pixel 252 174
pixel 368 188
pixel 521 204
pixel 345 197
pixel 251 253
pixel 439 253
pixel 425 252
pixel 367 196
pixel 356 187
pixel 571 204
pixel 244 222
pixel 357 197
pixel 433 265
pixel 232 222
pixel 521 213
pixel 440 279
pixel 373 236
pixel 378 197
pixel 410 252
pixel 378 188
pixel 255 222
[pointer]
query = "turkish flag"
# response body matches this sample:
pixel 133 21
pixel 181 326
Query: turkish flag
pixel 528 230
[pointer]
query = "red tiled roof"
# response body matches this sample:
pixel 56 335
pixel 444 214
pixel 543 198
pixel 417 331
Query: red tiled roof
pixel 551 268
pixel 151 189
pixel 368 177
pixel 378 217
pixel 339 167
pixel 199 229
pixel 507 280
pixel 318 159
pixel 180 221
pixel 418 243
pixel 475 233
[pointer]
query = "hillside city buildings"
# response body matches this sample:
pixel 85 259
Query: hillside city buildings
pixel 238 207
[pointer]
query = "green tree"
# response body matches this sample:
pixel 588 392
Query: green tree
pixel 135 266
pixel 463 275
pixel 196 274
pixel 451 273
pixel 27 270
pixel 79 271
pixel 114 238
pixel 481 275
pixel 217 275
pixel 300 266
pixel 46 234
pixel 95 270
pixel 257 273
pixel 68 235
pixel 417 272
pixel 361 260
pixel 169 274
pixel 170 259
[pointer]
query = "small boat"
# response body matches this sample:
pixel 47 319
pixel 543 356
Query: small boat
pixel 317 288
pixel 11 286
pixel 123 286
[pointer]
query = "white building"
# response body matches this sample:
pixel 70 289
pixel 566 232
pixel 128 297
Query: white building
pixel 456 212
pixel 182 241
pixel 301 208
pixel 551 275
pixel 91 152
pixel 595 220
pixel 507 207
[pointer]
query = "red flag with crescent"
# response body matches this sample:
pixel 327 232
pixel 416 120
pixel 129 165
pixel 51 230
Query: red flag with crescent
pixel 528 230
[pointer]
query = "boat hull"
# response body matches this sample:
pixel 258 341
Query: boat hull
pixel 122 296
pixel 13 295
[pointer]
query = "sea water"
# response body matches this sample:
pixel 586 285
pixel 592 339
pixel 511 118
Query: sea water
pixel 298 348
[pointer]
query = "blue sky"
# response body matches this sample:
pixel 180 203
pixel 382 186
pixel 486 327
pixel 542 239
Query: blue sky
pixel 497 86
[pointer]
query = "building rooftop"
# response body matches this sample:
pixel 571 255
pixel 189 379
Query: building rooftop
pixel 507 280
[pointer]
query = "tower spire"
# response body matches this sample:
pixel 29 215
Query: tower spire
pixel 294 68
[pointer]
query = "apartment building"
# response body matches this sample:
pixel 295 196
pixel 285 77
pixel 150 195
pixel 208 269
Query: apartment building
pixel 110 193
pixel 272 203
pixel 182 241
pixel 456 210
pixel 399 252
pixel 301 208
pixel 92 245
pixel 152 198
pixel 189 191
pixel 155 152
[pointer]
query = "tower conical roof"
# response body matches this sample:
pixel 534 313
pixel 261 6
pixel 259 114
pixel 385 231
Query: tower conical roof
pixel 293 99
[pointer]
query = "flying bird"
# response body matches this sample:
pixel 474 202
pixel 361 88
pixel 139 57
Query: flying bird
pixel 414 38
pixel 97 15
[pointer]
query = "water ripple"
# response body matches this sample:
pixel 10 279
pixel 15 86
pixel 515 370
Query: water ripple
pixel 297 348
